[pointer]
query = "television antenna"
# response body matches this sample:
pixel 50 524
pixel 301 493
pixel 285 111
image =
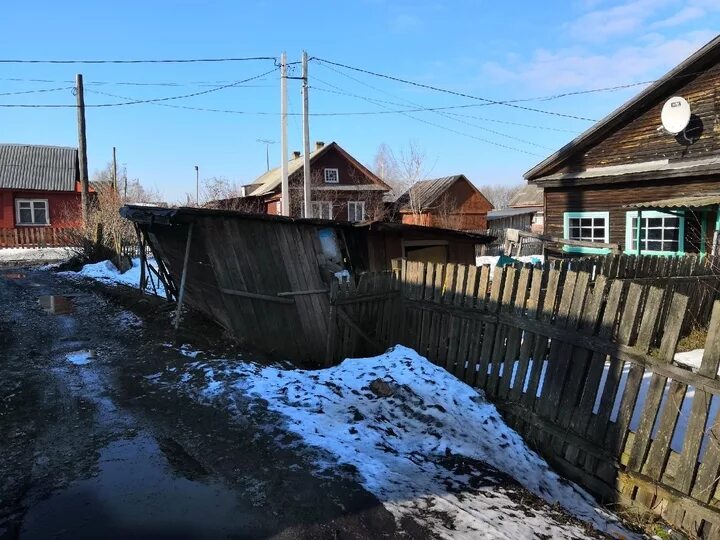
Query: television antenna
pixel 267 143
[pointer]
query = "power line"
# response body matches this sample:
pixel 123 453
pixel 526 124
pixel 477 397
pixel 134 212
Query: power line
pixel 40 90
pixel 160 61
pixel 432 109
pixel 126 83
pixel 454 93
pixel 518 139
pixel 137 102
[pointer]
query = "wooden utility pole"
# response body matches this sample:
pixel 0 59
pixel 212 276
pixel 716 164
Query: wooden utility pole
pixel 82 146
pixel 115 184
pixel 306 138
pixel 285 193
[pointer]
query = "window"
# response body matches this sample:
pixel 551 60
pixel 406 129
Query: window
pixel 332 176
pixel 31 212
pixel 588 227
pixel 356 211
pixel 321 209
pixel 660 233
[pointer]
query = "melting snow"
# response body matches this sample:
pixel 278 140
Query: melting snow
pixel 106 272
pixel 407 448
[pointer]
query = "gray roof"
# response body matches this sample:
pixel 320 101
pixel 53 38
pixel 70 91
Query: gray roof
pixel 508 212
pixel 666 85
pixel 424 193
pixel 687 201
pixel 47 168
pixel 530 195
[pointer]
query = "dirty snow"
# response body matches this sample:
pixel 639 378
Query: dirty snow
pixel 406 447
pixel 46 254
pixel 107 273
pixel 80 358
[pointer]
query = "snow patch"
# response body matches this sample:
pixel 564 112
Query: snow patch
pixel 691 359
pixel 400 444
pixel 106 272
pixel 46 254
pixel 482 260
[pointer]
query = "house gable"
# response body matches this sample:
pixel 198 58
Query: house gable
pixel 630 134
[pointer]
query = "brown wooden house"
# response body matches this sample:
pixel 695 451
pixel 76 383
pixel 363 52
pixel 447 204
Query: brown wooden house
pixel 343 189
pixel 628 170
pixel 452 202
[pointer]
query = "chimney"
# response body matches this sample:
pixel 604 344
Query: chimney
pixel 296 154
pixel 319 145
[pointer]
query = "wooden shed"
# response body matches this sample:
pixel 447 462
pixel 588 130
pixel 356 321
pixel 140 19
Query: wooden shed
pixel 267 278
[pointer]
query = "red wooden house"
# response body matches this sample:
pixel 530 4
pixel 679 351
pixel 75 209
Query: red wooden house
pixel 39 194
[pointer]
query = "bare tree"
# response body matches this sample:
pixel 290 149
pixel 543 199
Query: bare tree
pixel 500 194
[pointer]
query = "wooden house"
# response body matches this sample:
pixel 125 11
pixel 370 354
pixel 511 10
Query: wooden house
pixel 39 194
pixel 452 202
pixel 627 170
pixel 342 188
pixel 267 278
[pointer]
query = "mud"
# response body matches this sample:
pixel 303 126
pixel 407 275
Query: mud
pixel 92 448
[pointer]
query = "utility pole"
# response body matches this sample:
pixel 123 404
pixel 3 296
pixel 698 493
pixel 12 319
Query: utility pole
pixel 125 179
pixel 197 186
pixel 115 184
pixel 82 147
pixel 285 194
pixel 306 138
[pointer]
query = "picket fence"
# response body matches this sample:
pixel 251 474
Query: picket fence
pixel 580 363
pixel 34 237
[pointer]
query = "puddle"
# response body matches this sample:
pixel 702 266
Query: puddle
pixel 141 490
pixel 80 358
pixel 56 304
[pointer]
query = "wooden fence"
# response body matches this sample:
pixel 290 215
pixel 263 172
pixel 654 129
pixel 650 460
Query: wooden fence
pixel 578 364
pixel 34 237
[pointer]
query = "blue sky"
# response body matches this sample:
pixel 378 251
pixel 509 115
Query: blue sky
pixel 498 50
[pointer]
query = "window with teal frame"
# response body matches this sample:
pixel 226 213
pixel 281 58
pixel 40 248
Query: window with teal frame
pixel 660 233
pixel 588 227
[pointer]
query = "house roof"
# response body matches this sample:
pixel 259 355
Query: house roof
pixel 423 194
pixel 271 180
pixel 674 79
pixel 508 212
pixel 529 195
pixel 29 166
pixel 688 201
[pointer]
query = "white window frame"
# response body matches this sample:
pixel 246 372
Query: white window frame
pixel 337 176
pixel 649 214
pixel 32 212
pixel 354 205
pixel 317 209
pixel 567 216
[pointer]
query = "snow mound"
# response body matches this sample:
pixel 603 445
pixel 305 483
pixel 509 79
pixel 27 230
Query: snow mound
pixel 406 426
pixel 107 273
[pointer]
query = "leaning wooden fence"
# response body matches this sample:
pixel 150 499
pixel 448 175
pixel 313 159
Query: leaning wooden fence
pixel 578 364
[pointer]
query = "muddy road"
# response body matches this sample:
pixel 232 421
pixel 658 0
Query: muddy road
pixel 91 448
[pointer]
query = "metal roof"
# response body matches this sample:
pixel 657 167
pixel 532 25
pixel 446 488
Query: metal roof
pixel 46 168
pixel 507 212
pixel 664 87
pixel 690 201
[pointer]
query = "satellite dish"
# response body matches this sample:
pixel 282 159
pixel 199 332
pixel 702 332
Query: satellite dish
pixel 675 115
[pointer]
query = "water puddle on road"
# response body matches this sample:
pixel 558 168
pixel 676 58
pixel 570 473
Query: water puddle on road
pixel 142 489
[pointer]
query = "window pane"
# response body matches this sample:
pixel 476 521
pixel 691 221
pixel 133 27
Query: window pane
pixel 653 245
pixel 25 215
pixel 24 204
pixel 586 233
pixel 655 234
pixel 672 234
pixel 574 222
pixel 586 222
pixel 40 214
pixel 672 222
pixel 653 222
pixel 574 233
pixel 599 232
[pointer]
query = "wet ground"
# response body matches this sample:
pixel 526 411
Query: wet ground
pixel 91 448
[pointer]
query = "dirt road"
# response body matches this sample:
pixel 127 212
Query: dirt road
pixel 91 448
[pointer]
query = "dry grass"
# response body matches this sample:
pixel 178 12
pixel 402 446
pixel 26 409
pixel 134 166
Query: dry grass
pixel 694 340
